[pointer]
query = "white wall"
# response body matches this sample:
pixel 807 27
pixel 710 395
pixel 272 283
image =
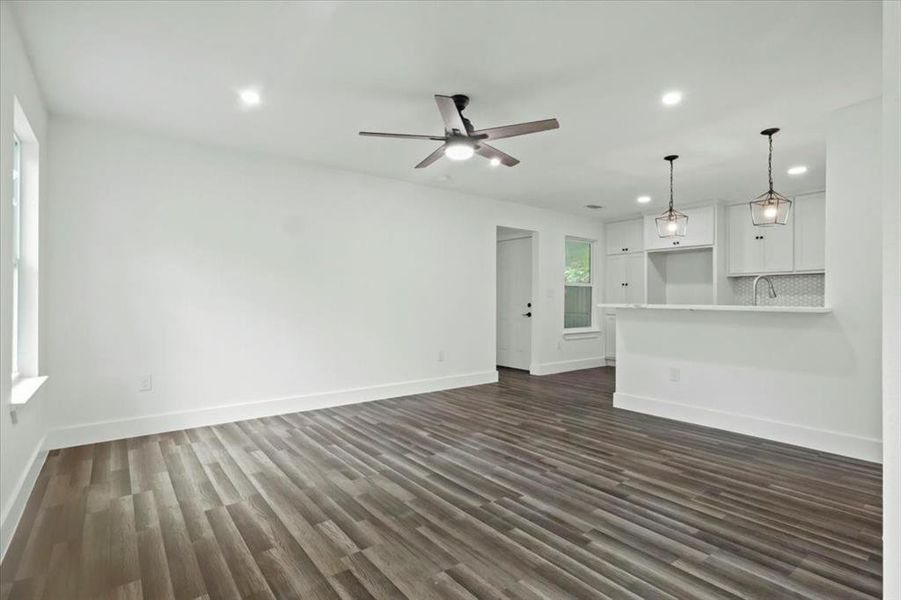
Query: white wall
pixel 237 279
pixel 20 443
pixel 808 379
pixel 891 294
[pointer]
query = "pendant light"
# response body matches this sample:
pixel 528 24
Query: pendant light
pixel 770 208
pixel 671 223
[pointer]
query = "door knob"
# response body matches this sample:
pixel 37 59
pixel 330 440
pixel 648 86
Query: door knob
pixel 528 314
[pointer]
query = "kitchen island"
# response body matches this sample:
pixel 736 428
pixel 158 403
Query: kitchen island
pixel 783 373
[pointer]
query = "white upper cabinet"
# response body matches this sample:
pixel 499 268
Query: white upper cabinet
pixel 623 237
pixel 615 277
pixel 635 278
pixel 754 249
pixel 745 247
pixel 810 232
pixel 625 280
pixel 699 230
pixel 797 246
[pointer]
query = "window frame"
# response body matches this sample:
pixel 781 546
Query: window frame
pixel 16 317
pixel 591 284
pixel 24 374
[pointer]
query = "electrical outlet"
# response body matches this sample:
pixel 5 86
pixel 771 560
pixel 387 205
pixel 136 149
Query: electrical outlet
pixel 441 356
pixel 145 384
pixel 675 374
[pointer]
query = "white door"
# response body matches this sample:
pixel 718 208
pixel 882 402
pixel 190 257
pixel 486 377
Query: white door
pixel 514 303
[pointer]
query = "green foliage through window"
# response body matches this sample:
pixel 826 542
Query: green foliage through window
pixel 578 261
pixel 577 305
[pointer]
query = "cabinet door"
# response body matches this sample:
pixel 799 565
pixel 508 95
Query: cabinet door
pixel 631 232
pixel 610 336
pixel 635 279
pixel 700 228
pixel 745 245
pixel 698 232
pixel 613 238
pixel 778 247
pixel 623 237
pixel 615 279
pixel 810 232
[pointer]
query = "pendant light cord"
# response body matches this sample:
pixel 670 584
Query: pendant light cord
pixel 671 186
pixel 770 171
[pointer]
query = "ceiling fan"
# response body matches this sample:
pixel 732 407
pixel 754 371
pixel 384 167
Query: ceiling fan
pixel 461 140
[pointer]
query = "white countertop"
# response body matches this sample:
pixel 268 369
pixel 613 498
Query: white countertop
pixel 725 308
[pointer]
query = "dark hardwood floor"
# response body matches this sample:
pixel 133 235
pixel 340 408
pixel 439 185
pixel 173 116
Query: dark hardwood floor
pixel 531 488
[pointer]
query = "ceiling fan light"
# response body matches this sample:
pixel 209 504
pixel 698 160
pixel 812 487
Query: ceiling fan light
pixel 459 151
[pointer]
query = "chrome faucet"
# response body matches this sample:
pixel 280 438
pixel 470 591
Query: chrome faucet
pixel 772 290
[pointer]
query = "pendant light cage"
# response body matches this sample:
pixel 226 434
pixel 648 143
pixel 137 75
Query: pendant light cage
pixel 771 207
pixel 671 223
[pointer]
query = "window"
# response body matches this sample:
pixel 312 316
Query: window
pixel 23 287
pixel 578 284
pixel 17 252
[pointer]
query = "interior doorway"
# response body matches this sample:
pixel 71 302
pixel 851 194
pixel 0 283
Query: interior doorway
pixel 514 297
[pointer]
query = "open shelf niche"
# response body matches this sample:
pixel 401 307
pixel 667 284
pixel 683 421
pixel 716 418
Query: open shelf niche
pixel 681 277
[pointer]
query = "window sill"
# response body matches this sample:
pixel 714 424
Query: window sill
pixel 23 388
pixel 582 332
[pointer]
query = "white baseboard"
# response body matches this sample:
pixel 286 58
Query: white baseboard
pixel 13 510
pixel 566 365
pixel 89 433
pixel 868 449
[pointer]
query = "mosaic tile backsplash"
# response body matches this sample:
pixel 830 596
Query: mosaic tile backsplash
pixel 791 290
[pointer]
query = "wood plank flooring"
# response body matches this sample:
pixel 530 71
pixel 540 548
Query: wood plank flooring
pixel 530 488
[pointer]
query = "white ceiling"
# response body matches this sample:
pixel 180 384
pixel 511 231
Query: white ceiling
pixel 329 69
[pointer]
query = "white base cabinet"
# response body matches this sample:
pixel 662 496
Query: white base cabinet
pixel 610 336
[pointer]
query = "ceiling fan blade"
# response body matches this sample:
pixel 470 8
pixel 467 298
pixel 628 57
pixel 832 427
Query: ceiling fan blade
pixel 496 133
pixel 450 114
pixel 403 136
pixel 492 152
pixel 431 157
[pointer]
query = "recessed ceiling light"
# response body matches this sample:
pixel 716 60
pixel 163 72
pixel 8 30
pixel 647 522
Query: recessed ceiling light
pixel 593 206
pixel 250 97
pixel 799 170
pixel 495 161
pixel 671 98
pixel 459 151
pixel 643 199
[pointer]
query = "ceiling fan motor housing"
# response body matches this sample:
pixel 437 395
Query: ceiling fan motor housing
pixel 461 101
